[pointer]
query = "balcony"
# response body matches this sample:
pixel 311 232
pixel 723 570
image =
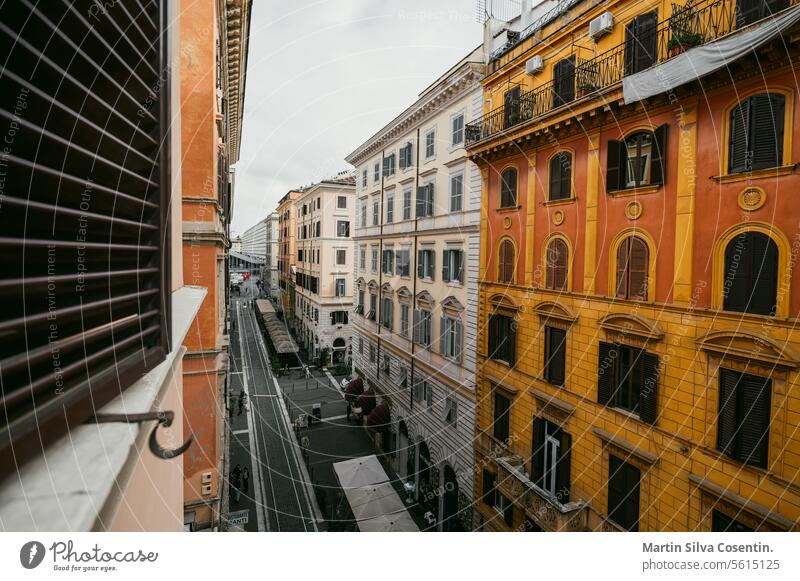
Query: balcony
pixel 692 25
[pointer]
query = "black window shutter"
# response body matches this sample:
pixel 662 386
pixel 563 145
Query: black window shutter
pixel 751 274
pixel 555 178
pixel 488 487
pixel 630 46
pixel 512 342
pixel 648 395
pixel 726 416
pixel 738 157
pixel 755 397
pixel 658 165
pixel 537 451
pixel 446 265
pixel 647 37
pixel 614 165
pixel 555 355
pixel 606 371
pixel 508 514
pixel 492 338
pixel 563 467
pixel 85 219
pixel 565 175
pixel 767 130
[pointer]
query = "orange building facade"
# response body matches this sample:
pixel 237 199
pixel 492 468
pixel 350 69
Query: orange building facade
pixel 214 42
pixel 287 254
pixel 637 352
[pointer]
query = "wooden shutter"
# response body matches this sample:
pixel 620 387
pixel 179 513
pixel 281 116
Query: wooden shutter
pixel 511 333
pixel 564 81
pixel 491 340
pixel 506 267
pixel 563 467
pixel 501 417
pixel 648 394
pixel 623 493
pixel 429 199
pixel 615 160
pixel 446 265
pixel 508 188
pixel 647 37
pixel 751 274
pixel 415 331
pixel 459 339
pixel 754 405
pixel 556 274
pixel 421 204
pixel 726 415
pixel 738 140
pixel 623 257
pixel 750 11
pixel 488 487
pixel 658 163
pixel 555 355
pixel 766 133
pixel 85 219
pixel 420 265
pixel 443 335
pixel 606 372
pixel 431 270
pixel 537 451
pixel 630 46
pixel 637 269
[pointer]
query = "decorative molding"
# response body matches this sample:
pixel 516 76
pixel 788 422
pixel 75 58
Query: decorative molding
pixel 748 505
pixel 425 299
pixel 752 198
pixel 558 217
pixel 451 303
pixel 553 310
pixel 626 446
pixel 499 384
pixel 548 404
pixel 633 211
pixel 749 346
pixel 636 325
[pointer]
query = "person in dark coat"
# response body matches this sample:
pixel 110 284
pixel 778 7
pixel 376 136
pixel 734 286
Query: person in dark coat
pixel 245 480
pixel 236 482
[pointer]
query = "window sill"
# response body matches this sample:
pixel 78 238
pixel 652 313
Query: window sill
pixel 564 202
pixel 641 191
pixel 772 172
pixel 508 209
pixel 85 472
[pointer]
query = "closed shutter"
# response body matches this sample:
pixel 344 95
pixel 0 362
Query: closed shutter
pixel 726 416
pixel 565 175
pixel 537 452
pixel 421 196
pixel 85 220
pixel 492 337
pixel 488 487
pixel 420 265
pixel 637 271
pixel 630 47
pixel 766 114
pixel 623 493
pixel 738 156
pixel 648 394
pixel 429 200
pixel 606 372
pixel 754 406
pixel 658 164
pixel 459 339
pixel 446 265
pixel 563 467
pixel 415 331
pixel 443 324
pixel 751 274
pixel 555 350
pixel 615 159
pixel 623 256
pixel 647 41
pixel 511 333
pixel 501 419
pixel 555 178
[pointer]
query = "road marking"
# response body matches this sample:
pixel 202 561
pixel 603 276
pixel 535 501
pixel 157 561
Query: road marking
pixel 263 395
pixel 237 432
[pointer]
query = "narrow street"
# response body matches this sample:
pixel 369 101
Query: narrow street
pixel 279 496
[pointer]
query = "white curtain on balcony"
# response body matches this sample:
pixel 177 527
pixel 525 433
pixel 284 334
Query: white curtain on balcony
pixel 702 60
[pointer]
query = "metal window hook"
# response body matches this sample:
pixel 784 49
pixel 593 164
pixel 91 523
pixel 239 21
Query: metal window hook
pixel 164 418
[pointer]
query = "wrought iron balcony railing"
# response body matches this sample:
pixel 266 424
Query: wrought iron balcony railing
pixel 689 25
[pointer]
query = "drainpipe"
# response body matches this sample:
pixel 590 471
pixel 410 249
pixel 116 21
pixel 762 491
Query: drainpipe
pixel 414 194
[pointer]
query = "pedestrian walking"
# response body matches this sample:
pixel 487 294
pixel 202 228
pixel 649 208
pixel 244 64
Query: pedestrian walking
pixel 236 482
pixel 245 480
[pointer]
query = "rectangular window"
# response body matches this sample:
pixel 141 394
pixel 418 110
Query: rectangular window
pixel 364 213
pixel 457 134
pixel 450 338
pixel 403 262
pixel 387 314
pixel 407 204
pixel 722 523
pixel 341 202
pixel 430 144
pixel 457 192
pixel 361 345
pixel 555 351
pixel 390 207
pixel 388 262
pixel 343 229
pixel 375 212
pixel 451 411
pixel 453 266
pixel 405 156
pixel 362 258
pixel 502 338
pixel 364 179
pixel 427 394
pixel 373 301
pixel 502 411
pixel 341 287
pixel 422 327
pixel 641 43
pixel 341 257
pixel 623 493
pixel 374 259
pixel 339 317
pixel 628 379
pixel 389 165
pixel 550 459
pixel 426 264
pixel 376 177
pixel 404 320
pixel 425 200
pixel 744 416
pixel 372 356
pixel 360 305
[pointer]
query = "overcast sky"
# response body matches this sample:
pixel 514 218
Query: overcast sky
pixel 323 76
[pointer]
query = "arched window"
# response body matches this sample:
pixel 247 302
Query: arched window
pixel 751 274
pixel 557 255
pixel 505 271
pixel 639 160
pixel 561 176
pixel 756 133
pixel 508 188
pixel 633 263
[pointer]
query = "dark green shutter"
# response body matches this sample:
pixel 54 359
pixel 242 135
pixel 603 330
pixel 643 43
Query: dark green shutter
pixel 606 371
pixel 658 164
pixel 767 130
pixel 648 396
pixel 726 416
pixel 615 158
pixel 754 406
pixel 563 467
pixel 537 451
pixel 630 47
pixel 421 195
pixel 738 157
pixel 446 265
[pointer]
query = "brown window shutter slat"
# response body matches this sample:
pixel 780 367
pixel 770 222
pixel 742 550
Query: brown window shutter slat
pixel 726 415
pixel 658 165
pixel 563 467
pixel 648 394
pixel 754 405
pixel 606 372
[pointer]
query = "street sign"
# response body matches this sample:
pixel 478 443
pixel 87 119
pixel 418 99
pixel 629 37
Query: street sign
pixel 240 517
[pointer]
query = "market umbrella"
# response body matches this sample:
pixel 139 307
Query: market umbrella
pixel 363 471
pixel 354 389
pixel 379 419
pixel 389 523
pixel 374 500
pixel 367 402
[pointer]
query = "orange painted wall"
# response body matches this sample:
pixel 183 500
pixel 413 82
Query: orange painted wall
pixel 496 229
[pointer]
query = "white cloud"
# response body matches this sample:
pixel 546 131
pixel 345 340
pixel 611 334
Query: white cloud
pixel 323 76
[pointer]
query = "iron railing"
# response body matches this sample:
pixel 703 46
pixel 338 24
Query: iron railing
pixel 689 25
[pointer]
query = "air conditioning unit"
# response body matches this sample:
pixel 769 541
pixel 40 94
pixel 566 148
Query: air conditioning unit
pixel 601 25
pixel 534 65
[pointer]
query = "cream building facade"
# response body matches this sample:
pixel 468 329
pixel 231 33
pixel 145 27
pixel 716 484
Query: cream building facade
pixel 324 275
pixel 271 260
pixel 414 324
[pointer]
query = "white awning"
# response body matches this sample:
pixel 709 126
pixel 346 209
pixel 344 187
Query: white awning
pixel 373 501
pixel 702 60
pixel 357 472
pixel 394 523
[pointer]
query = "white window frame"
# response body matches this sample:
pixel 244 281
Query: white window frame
pixel 339 200
pixel 343 254
pixel 336 281
pixel 463 116
pixel 453 176
pixel 430 131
